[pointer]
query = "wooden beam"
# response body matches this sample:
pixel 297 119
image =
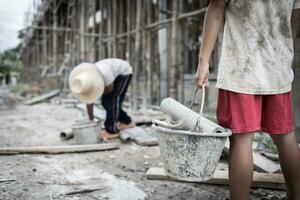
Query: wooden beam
pixel 114 27
pixel 138 53
pixel 42 97
pixel 149 55
pixel 174 52
pixel 58 149
pixel 260 180
pixel 182 16
pixel 192 14
pixel 54 39
pixel 100 43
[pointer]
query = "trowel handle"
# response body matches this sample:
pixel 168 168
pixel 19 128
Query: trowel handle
pixel 202 102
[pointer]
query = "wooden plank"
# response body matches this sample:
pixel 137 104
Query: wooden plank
pixel 42 97
pixel 181 16
pixel 260 180
pixel 174 53
pixel 58 149
pixel 261 163
pixel 84 190
pixel 7 180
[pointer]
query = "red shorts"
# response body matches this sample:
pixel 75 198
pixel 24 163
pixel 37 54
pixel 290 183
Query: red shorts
pixel 244 113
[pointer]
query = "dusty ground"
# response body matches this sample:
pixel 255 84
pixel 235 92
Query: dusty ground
pixel 118 174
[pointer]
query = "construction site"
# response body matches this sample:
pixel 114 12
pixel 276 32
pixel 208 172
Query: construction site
pixel 42 153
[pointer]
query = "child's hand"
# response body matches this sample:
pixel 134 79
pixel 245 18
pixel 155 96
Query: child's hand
pixel 201 76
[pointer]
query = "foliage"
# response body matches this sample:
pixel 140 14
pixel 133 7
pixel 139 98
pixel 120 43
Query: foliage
pixel 9 60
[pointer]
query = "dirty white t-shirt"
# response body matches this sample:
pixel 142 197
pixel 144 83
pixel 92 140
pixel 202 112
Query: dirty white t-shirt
pixel 257 48
pixel 110 68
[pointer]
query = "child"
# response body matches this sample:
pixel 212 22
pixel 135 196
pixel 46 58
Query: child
pixel 254 81
pixel 108 78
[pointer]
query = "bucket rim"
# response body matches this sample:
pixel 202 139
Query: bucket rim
pixel 85 125
pixel 227 133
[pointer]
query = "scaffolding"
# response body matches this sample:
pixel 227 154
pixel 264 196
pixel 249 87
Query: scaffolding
pixel 160 38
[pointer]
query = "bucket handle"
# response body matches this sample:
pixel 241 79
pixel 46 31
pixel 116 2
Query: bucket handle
pixel 202 101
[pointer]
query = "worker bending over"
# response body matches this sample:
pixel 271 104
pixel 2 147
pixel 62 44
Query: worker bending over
pixel 108 79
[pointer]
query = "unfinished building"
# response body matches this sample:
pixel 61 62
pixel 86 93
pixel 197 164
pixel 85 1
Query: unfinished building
pixel 160 38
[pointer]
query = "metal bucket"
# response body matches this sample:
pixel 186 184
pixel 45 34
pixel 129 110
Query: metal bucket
pixel 86 132
pixel 190 156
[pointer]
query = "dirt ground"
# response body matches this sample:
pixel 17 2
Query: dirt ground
pixel 117 174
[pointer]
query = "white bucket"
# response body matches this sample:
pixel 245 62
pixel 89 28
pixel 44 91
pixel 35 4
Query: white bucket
pixel 191 150
pixel 190 156
pixel 86 132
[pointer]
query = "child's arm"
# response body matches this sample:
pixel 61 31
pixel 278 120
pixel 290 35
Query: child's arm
pixel 295 21
pixel 213 21
pixel 90 111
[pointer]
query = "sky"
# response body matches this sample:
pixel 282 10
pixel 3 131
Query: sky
pixel 12 19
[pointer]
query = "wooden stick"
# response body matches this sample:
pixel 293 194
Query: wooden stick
pixel 260 180
pixel 58 149
pixel 42 97
pixel 138 54
pixel 85 190
pixel 182 16
pixel 7 180
pixel 174 56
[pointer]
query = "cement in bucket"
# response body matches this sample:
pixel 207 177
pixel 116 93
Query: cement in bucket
pixel 191 151
pixel 86 132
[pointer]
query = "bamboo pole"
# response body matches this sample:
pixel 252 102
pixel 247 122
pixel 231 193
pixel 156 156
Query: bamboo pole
pixel 44 32
pixel 128 42
pixel 58 149
pixel 149 49
pixel 54 39
pixel 181 51
pixel 92 8
pixel 109 26
pixel 138 48
pixel 144 74
pixel 180 17
pixel 128 33
pixel 82 30
pixel 115 25
pixel 100 44
pixel 121 20
pixel 174 44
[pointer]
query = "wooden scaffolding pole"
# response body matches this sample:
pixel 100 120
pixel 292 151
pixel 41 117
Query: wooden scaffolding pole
pixel 115 25
pixel 138 53
pixel 109 26
pixel 128 26
pixel 54 39
pixel 149 49
pixel 92 13
pixel 100 43
pixel 82 30
pixel 174 60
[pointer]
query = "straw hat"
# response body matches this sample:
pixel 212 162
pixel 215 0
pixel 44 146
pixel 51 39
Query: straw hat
pixel 86 83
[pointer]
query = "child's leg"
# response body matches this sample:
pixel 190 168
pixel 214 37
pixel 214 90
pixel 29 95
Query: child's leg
pixel 289 154
pixel 123 117
pixel 240 165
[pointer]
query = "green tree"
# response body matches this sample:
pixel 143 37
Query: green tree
pixel 10 61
